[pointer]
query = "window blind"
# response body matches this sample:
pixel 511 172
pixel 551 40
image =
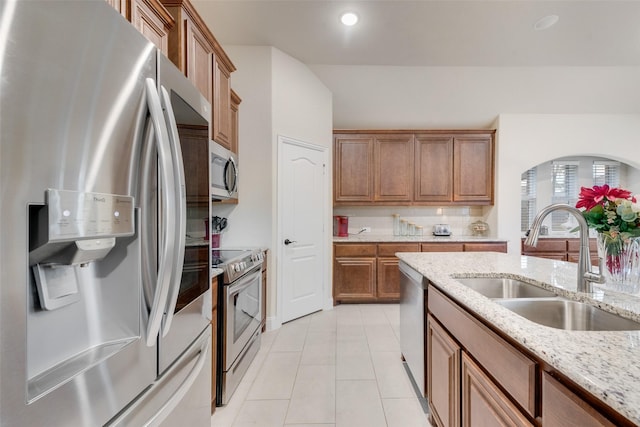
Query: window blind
pixel 606 172
pixel 565 190
pixel 528 198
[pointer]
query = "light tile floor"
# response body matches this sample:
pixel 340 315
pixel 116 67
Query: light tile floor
pixel 340 367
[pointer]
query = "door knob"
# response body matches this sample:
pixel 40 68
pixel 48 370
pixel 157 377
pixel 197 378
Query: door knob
pixel 288 242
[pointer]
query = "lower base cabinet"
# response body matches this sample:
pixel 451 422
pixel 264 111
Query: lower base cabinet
pixel 563 408
pixel 443 384
pixel 483 404
pixel 368 272
pixel 475 377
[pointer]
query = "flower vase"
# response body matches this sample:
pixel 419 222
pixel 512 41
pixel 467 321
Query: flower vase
pixel 620 262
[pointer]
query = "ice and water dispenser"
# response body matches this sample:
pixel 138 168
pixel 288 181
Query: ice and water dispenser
pixel 85 300
pixel 72 230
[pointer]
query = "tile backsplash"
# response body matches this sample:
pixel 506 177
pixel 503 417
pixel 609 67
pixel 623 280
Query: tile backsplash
pixel 381 222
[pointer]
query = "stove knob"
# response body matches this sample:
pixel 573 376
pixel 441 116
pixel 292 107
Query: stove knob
pixel 236 267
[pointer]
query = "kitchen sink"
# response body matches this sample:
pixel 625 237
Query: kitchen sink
pixel 500 287
pixel 569 315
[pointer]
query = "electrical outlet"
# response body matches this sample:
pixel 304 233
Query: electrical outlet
pixel 366 229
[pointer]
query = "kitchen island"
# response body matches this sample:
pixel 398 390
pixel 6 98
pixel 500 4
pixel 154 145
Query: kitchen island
pixel 605 365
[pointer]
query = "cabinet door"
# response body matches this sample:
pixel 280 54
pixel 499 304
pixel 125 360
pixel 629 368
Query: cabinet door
pixel 393 168
pixel 388 286
pixel 473 169
pixel 354 279
pixel 443 375
pixel 235 124
pixel 221 104
pixel 563 408
pixel 483 403
pixel 433 168
pixel 150 23
pixel 353 168
pixel 198 57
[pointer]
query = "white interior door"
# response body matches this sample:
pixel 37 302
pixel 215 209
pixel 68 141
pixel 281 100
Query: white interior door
pixel 302 198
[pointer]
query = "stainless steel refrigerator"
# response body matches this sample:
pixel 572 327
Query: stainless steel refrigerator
pixel 100 323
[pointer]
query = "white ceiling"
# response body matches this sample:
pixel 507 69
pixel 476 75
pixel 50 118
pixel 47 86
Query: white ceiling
pixel 434 32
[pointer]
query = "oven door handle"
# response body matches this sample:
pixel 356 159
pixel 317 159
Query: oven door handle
pixel 244 283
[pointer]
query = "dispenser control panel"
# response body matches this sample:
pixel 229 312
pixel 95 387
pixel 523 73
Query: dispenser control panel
pixel 74 215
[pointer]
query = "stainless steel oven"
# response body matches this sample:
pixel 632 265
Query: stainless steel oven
pixel 240 317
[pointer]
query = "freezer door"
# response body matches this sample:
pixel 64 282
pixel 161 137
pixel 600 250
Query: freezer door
pixel 180 397
pixel 73 106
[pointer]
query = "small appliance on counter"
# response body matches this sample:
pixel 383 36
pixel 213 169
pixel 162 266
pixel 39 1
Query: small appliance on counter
pixel 479 228
pixel 441 230
pixel 341 226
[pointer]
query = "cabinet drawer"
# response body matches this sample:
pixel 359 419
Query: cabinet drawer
pixel 390 249
pixel 442 247
pixel 546 245
pixel 510 368
pixel 345 250
pixel 485 247
pixel 573 245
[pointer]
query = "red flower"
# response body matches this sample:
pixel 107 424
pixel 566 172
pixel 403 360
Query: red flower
pixel 599 195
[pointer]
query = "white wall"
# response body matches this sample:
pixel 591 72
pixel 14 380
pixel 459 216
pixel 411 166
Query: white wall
pixel 527 140
pixel 387 97
pixel 280 96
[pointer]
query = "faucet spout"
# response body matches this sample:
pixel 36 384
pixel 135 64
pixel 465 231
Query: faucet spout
pixel 585 275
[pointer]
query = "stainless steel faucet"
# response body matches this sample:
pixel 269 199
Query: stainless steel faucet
pixel 585 275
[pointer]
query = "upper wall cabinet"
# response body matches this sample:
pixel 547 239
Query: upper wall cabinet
pixel 221 106
pixel 413 167
pixel 191 45
pixel 150 18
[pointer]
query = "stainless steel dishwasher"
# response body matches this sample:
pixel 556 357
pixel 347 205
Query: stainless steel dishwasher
pixel 412 323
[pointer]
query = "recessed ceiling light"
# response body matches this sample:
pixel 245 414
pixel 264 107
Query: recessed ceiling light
pixel 349 19
pixel 546 22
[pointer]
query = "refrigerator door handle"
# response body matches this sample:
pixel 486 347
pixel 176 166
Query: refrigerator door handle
pixel 180 209
pixel 184 387
pixel 168 200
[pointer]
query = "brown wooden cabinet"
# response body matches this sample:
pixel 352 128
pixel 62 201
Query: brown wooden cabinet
pixel 353 169
pixel 483 403
pixel 235 121
pixel 443 384
pixel 434 168
pixel 221 105
pixel 501 383
pixel 563 408
pixel 191 45
pixel 473 169
pixel 354 273
pixel 368 272
pixel 413 167
pixel 150 18
pixel 561 249
pixel 393 168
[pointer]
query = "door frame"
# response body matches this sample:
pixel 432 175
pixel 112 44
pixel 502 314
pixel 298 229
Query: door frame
pixel 327 295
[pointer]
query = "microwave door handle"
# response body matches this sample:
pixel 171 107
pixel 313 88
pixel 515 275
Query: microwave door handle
pixel 167 213
pixel 227 171
pixel 180 209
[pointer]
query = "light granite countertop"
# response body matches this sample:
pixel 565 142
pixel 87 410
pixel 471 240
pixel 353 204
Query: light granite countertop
pixel 389 238
pixel 607 364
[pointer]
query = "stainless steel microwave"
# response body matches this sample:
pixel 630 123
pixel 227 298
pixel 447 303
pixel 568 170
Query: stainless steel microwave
pixel 224 172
